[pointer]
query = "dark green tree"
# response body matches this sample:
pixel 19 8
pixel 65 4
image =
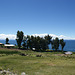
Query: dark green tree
pixel 28 41
pixel 7 41
pixel 19 39
pixel 37 42
pixel 52 44
pixel 24 45
pixel 48 39
pixel 62 43
pixel 24 42
pixel 56 43
pixel 31 42
pixel 43 44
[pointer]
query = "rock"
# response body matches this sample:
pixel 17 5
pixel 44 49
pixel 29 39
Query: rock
pixel 70 53
pixel 1 72
pixel 23 73
pixel 22 54
pixel 4 72
pixel 38 55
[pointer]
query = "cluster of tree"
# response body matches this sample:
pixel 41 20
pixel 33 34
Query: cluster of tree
pixel 39 43
pixel 30 42
pixel 56 42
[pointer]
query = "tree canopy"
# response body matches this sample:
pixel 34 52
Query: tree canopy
pixel 39 43
pixel 62 43
pixel 19 39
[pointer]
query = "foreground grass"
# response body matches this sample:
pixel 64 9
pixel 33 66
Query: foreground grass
pixel 51 63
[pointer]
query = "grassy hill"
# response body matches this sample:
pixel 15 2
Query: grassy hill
pixel 37 63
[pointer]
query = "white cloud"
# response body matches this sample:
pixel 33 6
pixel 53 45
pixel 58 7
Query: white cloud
pixel 10 36
pixel 13 37
pixel 41 35
pixel 54 36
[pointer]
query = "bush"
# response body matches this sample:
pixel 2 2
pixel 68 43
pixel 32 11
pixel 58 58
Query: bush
pixel 9 52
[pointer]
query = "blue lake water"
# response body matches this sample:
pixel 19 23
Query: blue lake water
pixel 70 44
pixel 10 41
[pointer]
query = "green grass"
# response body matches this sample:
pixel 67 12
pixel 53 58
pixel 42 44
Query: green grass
pixel 51 63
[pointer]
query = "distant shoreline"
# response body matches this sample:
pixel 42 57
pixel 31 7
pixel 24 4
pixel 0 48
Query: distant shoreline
pixel 70 44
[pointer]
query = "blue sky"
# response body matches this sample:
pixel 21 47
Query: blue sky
pixel 38 17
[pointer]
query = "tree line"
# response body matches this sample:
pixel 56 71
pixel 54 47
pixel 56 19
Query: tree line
pixel 38 43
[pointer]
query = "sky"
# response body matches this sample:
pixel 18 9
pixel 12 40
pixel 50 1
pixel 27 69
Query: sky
pixel 37 17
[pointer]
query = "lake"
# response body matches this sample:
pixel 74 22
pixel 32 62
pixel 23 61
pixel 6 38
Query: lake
pixel 70 44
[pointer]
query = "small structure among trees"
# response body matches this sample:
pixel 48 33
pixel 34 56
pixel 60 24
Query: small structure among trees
pixel 1 44
pixel 9 45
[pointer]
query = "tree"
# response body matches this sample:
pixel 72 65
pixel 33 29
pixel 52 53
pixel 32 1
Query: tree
pixel 24 45
pixel 43 44
pixel 37 43
pixel 62 43
pixel 28 41
pixel 24 42
pixel 7 41
pixel 32 42
pixel 19 39
pixel 48 38
pixel 52 44
pixel 56 43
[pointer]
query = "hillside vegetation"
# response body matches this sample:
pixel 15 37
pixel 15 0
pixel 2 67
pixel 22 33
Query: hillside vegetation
pixel 37 63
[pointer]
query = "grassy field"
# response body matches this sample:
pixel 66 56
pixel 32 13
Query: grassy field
pixel 50 63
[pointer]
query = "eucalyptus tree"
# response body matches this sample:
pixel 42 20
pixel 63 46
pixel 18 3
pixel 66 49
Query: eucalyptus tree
pixel 38 47
pixel 7 41
pixel 28 41
pixel 52 44
pixel 24 42
pixel 62 43
pixel 35 42
pixel 56 43
pixel 19 38
pixel 32 42
pixel 43 44
pixel 48 39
